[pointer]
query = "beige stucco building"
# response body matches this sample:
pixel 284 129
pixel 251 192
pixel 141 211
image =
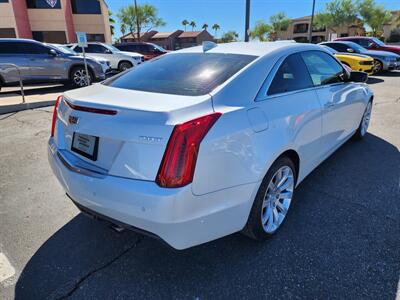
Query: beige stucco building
pixel 395 23
pixel 55 21
pixel 299 29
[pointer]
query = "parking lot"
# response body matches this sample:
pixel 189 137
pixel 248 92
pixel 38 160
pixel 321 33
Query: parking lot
pixel 341 239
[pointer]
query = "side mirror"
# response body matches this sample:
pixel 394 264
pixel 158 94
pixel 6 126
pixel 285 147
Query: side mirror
pixel 371 45
pixel 108 51
pixel 356 76
pixel 53 52
pixel 350 50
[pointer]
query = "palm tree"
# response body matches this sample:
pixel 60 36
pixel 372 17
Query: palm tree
pixel 184 23
pixel 205 26
pixel 192 24
pixel 111 21
pixel 215 27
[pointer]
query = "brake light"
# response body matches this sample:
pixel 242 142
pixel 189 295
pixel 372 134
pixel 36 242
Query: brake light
pixel 53 121
pixel 179 161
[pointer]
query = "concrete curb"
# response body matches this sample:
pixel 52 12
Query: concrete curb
pixel 6 109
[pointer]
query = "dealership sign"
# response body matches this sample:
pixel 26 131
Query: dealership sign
pixel 52 3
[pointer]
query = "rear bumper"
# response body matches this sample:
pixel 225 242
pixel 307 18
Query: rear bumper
pixel 176 216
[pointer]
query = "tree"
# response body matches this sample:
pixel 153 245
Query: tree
pixel 192 24
pixel 337 13
pixel 279 22
pixel 375 16
pixel 228 37
pixel 144 18
pixel 215 27
pixel 185 23
pixel 261 31
pixel 111 21
pixel 205 26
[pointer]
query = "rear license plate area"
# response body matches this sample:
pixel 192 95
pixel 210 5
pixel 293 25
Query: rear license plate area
pixel 85 145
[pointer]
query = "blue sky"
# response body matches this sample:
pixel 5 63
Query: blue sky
pixel 229 14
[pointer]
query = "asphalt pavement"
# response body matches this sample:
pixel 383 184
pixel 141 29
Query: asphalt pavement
pixel 341 239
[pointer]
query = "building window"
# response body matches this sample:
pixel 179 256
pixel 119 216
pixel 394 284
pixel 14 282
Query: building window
pixel 300 28
pixel 86 7
pixel 318 29
pixel 317 39
pixel 57 37
pixel 48 4
pixel 344 35
pixel 7 33
pixel 94 37
pixel 301 39
pixel 3 1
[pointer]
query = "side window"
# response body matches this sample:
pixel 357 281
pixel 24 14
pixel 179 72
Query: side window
pixel 94 48
pixel 32 48
pixel 11 48
pixel 363 42
pixel 323 68
pixel 78 49
pixel 292 75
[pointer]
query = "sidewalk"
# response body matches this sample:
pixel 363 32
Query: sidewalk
pixel 35 97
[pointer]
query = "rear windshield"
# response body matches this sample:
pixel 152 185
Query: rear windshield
pixel 190 74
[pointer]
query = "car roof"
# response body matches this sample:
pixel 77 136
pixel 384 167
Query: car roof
pixel 18 40
pixel 252 48
pixel 354 37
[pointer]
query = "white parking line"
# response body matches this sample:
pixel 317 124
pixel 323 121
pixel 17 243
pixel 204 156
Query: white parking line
pixel 6 269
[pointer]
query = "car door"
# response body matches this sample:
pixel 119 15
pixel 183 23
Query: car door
pixel 12 53
pixel 289 101
pixel 43 64
pixel 342 102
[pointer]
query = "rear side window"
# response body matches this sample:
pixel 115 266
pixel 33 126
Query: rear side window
pixel 338 47
pixel 191 74
pixel 11 48
pixel 292 75
pixel 323 68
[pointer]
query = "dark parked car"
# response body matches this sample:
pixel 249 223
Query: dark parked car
pixel 371 43
pixel 39 62
pixel 149 50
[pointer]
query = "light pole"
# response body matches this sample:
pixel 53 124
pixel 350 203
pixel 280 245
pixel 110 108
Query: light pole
pixel 137 22
pixel 311 23
pixel 247 23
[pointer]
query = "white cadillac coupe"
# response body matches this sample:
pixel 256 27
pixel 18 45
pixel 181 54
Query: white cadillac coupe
pixel 206 141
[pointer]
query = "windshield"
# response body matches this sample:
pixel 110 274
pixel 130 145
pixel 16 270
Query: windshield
pixel 378 41
pixel 159 48
pixel 188 74
pixel 61 48
pixel 112 48
pixel 357 47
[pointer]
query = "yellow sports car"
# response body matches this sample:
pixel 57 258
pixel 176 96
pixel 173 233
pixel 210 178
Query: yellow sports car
pixel 357 62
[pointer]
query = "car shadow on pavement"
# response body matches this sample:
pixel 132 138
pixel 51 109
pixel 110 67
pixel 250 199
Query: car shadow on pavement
pixel 341 240
pixel 34 90
pixel 374 80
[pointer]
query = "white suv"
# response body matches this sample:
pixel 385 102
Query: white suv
pixel 120 60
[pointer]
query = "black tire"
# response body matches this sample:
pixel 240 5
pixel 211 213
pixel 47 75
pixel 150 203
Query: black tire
pixel 254 227
pixel 77 77
pixel 124 65
pixel 378 66
pixel 360 133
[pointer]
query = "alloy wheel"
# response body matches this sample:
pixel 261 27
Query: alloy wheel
pixel 80 78
pixel 377 66
pixel 366 118
pixel 277 199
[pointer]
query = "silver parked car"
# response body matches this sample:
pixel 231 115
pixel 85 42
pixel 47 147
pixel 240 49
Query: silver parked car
pixel 39 62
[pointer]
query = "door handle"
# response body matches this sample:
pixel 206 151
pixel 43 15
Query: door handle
pixel 329 105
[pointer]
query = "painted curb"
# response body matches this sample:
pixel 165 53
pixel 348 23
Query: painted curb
pixel 6 109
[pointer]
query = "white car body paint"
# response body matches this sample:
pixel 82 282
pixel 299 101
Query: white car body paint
pixel 252 132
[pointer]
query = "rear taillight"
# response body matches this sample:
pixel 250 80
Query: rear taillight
pixel 179 161
pixel 53 121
